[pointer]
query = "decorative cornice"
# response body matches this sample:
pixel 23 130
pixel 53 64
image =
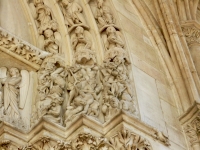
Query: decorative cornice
pixel 123 139
pixel 45 127
pixel 21 50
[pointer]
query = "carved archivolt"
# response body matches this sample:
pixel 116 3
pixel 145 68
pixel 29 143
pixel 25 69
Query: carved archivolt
pixel 49 36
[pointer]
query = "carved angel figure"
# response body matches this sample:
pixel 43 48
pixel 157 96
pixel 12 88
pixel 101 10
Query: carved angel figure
pixel 15 89
pixel 72 12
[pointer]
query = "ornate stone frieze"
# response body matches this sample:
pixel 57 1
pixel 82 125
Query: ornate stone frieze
pixel 5 144
pixel 66 92
pixel 49 36
pixel 123 139
pixel 21 50
pixel 117 93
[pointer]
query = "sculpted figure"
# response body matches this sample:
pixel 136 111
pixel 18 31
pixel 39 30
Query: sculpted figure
pixel 100 3
pixel 80 105
pixel 11 93
pixel 41 13
pixel 15 90
pixel 114 39
pixel 104 15
pixel 117 92
pixel 51 88
pixel 50 43
pixel 49 37
pixel 110 108
pixel 71 83
pixel 72 12
pixel 54 110
pixel 81 43
pixel 84 91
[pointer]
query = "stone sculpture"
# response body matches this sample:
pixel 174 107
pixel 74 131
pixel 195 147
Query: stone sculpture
pixel 113 40
pixel 14 91
pixel 124 139
pixel 83 89
pixel 104 16
pixel 82 44
pixel 72 13
pixel 51 85
pixel 49 36
pixel 21 50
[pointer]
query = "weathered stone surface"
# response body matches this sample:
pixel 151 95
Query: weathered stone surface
pixel 102 75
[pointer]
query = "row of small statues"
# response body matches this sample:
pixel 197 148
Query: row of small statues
pixel 49 35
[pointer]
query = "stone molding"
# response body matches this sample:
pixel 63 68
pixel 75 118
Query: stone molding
pixel 191 123
pixel 21 50
pixel 48 129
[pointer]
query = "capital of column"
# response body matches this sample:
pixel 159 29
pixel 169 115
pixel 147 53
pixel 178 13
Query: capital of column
pixel 191 124
pixel 191 31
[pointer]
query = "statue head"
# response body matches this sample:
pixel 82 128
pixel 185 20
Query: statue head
pixel 38 1
pixel 54 26
pixel 66 2
pixel 114 102
pixel 100 3
pixel 48 33
pixel 14 72
pixel 79 29
pixel 110 29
